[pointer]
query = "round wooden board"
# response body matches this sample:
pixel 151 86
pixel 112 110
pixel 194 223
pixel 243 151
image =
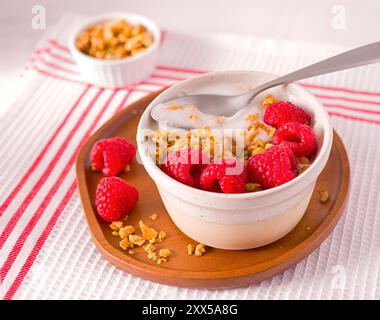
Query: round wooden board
pixel 217 268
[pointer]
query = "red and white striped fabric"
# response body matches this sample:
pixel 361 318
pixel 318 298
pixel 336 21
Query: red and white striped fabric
pixel 46 251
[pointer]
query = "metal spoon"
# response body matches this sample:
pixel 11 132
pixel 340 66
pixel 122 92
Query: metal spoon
pixel 228 105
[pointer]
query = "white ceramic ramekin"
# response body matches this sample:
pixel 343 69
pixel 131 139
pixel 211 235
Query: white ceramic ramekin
pixel 120 72
pixel 238 221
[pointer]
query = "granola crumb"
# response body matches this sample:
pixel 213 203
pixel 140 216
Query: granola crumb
pixel 136 239
pixel 304 160
pixel 303 168
pixel 152 256
pixel 269 130
pixel 252 117
pixel 260 143
pixel 268 100
pixel 116 225
pixel 193 117
pixel 161 260
pixel 115 233
pixel 268 145
pixel 200 249
pixel 153 216
pixel 125 244
pixel 161 235
pixel 126 231
pixel 127 168
pixel 165 253
pixel 150 248
pixel 251 186
pixel 131 252
pixel 257 151
pixel 190 249
pixel 148 233
pixel 92 167
pixel 174 107
pixel 308 228
pixel 323 196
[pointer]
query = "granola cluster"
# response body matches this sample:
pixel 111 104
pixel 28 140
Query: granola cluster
pixel 114 40
pixel 148 240
pixel 198 250
pixel 323 196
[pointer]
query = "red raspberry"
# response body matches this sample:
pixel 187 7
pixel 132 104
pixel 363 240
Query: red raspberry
pixel 112 155
pixel 281 112
pixel 227 176
pixel 273 167
pixel 185 166
pixel 115 198
pixel 298 137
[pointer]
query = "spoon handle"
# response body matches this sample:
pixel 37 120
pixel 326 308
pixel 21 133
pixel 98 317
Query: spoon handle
pixel 364 55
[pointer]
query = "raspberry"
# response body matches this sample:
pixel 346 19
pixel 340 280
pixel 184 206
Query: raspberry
pixel 273 167
pixel 185 166
pixel 281 112
pixel 217 178
pixel 115 198
pixel 112 155
pixel 298 137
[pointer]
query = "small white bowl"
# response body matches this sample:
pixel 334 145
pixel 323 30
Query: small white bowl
pixel 118 72
pixel 238 221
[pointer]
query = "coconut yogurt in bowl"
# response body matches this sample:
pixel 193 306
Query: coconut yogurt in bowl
pixel 242 220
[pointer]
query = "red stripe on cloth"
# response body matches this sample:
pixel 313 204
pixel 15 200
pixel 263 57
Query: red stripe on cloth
pixel 54 66
pixel 46 232
pixel 55 76
pixel 340 106
pixel 329 97
pixel 54 55
pixel 345 116
pixel 123 101
pixel 36 188
pixel 46 201
pixel 341 89
pixel 149 83
pixel 44 150
pixel 56 44
pixel 161 76
pixel 40 242
pixel 59 57
pixel 179 69
pixel 163 37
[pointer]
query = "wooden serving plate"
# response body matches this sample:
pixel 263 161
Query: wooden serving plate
pixel 217 268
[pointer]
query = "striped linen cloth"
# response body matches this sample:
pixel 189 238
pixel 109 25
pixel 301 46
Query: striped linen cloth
pixel 46 251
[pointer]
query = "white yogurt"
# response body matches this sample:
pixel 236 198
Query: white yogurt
pixel 232 126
